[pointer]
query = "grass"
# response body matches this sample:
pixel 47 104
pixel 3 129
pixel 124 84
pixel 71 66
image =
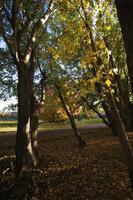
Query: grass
pixel 80 123
pixel 10 125
pixel 86 122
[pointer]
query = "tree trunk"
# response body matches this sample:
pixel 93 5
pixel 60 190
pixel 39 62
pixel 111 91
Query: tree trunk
pixel 106 122
pixel 130 117
pixel 72 121
pixel 110 117
pixel 126 107
pixel 24 149
pixel 34 123
pixel 125 16
pixel 123 138
pixel 98 113
pixel 76 132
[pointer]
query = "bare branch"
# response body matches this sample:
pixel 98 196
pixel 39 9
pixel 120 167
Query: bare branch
pixel 6 12
pixel 7 41
pixel 38 63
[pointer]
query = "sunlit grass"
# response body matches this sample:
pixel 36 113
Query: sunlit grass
pixel 86 122
pixel 11 126
pixel 8 126
pixel 8 129
pixel 80 123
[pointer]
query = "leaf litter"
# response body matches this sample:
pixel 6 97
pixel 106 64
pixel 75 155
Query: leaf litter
pixel 97 172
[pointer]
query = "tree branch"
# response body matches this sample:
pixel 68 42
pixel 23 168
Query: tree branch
pixel 42 21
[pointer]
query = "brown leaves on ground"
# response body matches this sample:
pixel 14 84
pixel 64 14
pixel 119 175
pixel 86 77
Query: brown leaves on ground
pixel 97 172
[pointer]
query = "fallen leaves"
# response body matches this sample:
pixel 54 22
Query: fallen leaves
pixel 94 173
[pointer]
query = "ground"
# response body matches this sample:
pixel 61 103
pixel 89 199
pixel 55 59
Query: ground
pixel 97 172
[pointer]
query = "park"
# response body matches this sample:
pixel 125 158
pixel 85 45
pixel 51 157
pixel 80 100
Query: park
pixel 66 71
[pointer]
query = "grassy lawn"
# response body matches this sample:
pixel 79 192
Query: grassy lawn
pixel 10 126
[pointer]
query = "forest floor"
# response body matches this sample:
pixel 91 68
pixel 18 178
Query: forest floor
pixel 97 172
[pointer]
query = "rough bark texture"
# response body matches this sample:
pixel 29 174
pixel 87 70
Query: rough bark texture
pixel 125 16
pixel 125 106
pixel 24 148
pixel 34 123
pixel 123 138
pixel 130 117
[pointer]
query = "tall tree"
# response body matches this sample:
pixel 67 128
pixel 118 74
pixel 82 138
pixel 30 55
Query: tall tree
pixel 125 16
pixel 70 103
pixel 20 29
pixel 95 58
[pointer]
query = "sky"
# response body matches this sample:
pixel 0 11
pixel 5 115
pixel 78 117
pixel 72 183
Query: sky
pixel 6 103
pixel 12 100
pixel 2 44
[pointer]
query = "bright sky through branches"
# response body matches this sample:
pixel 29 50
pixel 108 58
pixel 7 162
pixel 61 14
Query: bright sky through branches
pixel 5 104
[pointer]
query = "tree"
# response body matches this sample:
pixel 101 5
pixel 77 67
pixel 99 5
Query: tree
pixel 95 58
pixel 125 16
pixel 52 111
pixel 68 104
pixel 20 29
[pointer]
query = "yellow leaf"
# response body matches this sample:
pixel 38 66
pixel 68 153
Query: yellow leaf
pixel 108 28
pixel 94 59
pixel 108 82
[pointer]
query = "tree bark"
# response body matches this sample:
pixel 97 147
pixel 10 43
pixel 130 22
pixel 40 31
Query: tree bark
pixel 130 117
pixel 125 16
pixel 24 148
pixel 72 121
pixel 34 123
pixel 123 138
pixel 125 106
pixel 76 132
pixel 110 117
pixel 21 52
